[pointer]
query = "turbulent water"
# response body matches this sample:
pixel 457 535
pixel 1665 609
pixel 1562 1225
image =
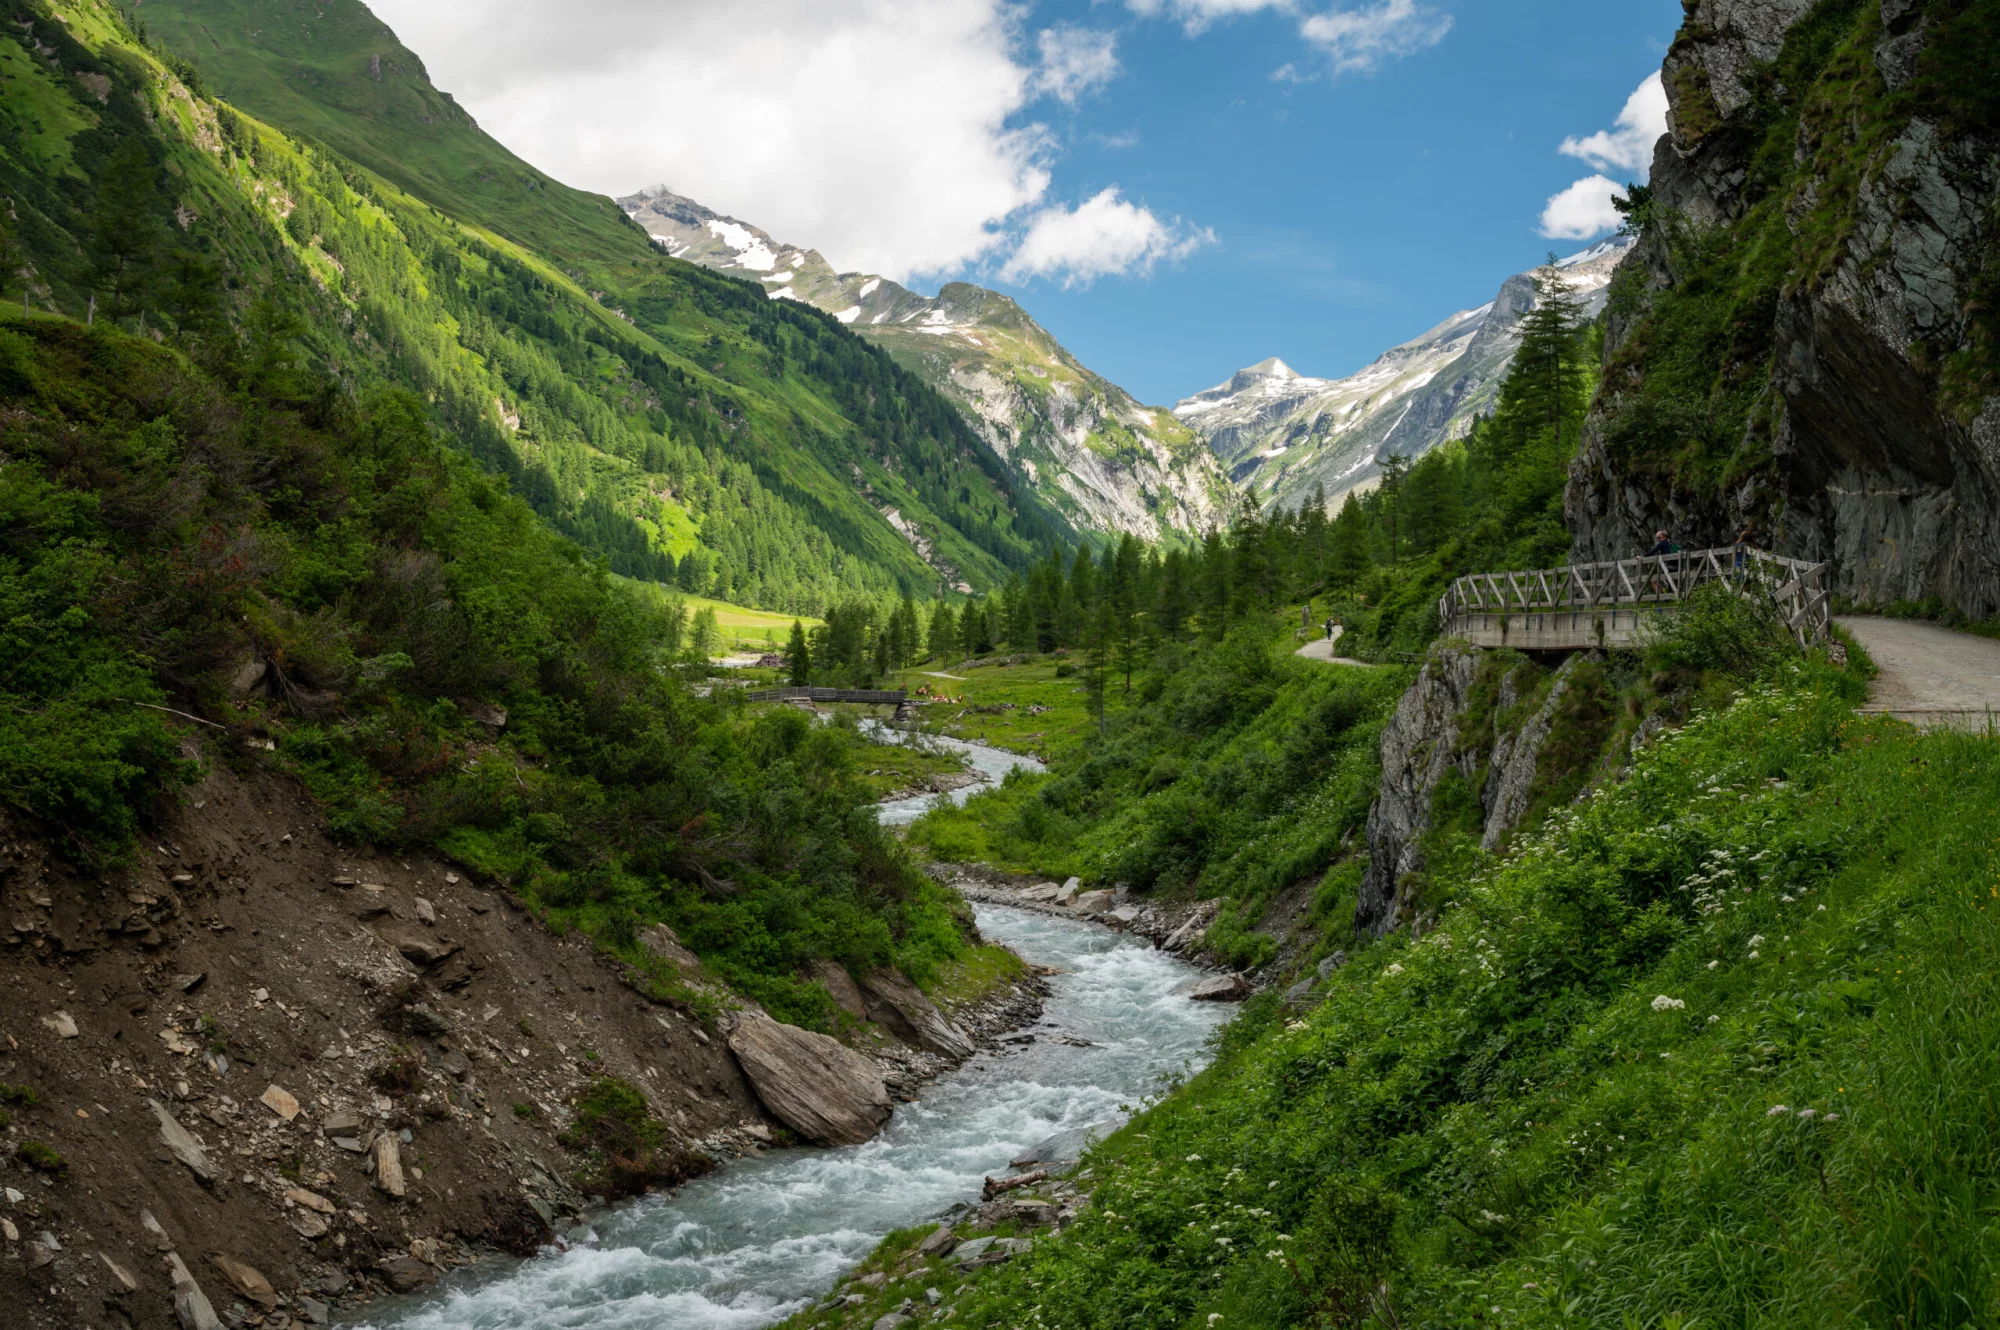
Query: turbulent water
pixel 991 765
pixel 755 1241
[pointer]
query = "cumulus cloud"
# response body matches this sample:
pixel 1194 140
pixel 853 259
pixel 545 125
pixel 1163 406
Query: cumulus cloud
pixel 890 134
pixel 1628 145
pixel 1102 236
pixel 1197 15
pixel 1075 61
pixel 1583 210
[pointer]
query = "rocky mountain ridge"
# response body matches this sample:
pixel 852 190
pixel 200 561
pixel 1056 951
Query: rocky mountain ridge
pixel 1281 432
pixel 1095 453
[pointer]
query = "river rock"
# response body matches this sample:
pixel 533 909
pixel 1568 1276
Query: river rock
pixel 939 1243
pixel 1069 889
pixel 181 1145
pixel 1220 988
pixel 816 1085
pixel 1065 1147
pixel 405 1273
pixel 1124 916
pixel 900 1005
pixel 1091 902
pixel 893 1321
pixel 660 942
pixel 840 985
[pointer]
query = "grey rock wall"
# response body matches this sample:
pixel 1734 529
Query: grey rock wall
pixel 1867 471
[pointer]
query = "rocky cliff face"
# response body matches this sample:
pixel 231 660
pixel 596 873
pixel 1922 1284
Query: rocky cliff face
pixel 1281 432
pixel 1822 239
pixel 1103 460
pixel 1484 719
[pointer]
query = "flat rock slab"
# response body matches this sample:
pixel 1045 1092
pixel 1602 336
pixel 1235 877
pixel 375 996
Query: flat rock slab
pixel 814 1084
pixel 1065 1147
pixel 280 1101
pixel 840 985
pixel 181 1145
pixel 1220 988
pixel 900 1005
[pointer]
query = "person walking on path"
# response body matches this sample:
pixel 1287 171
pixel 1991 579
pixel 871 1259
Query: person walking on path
pixel 1663 549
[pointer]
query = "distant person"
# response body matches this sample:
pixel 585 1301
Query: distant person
pixel 1745 539
pixel 1331 624
pixel 1662 546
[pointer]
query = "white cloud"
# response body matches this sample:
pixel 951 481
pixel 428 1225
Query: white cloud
pixel 1075 61
pixel 1583 210
pixel 1354 39
pixel 1359 40
pixel 1627 146
pixel 885 133
pixel 1102 237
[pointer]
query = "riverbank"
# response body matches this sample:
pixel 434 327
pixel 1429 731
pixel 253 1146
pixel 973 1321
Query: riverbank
pixel 767 1237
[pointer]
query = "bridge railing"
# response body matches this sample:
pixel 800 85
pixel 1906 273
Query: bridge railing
pixel 1652 581
pixel 887 697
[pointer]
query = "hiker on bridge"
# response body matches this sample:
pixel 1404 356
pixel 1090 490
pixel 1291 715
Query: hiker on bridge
pixel 1663 549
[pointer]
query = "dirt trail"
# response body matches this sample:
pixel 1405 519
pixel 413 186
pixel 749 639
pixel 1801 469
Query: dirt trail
pixel 1929 675
pixel 1321 648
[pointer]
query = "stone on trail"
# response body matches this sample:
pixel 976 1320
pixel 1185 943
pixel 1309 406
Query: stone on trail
pixel 899 1005
pixel 280 1101
pixel 1220 988
pixel 191 1305
pixel 183 1146
pixel 62 1024
pixel 389 1165
pixel 814 1084
pixel 246 1279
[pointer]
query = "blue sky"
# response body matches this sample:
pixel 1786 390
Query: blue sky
pixel 1351 212
pixel 1175 188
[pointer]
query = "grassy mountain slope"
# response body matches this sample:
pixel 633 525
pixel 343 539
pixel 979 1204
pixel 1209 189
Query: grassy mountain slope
pixel 1083 443
pixel 669 418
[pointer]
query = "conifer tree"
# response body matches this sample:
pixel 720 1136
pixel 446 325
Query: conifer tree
pixel 124 242
pixel 798 658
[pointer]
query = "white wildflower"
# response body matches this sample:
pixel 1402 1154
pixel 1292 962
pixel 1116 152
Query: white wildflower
pixel 1194 1159
pixel 1713 964
pixel 1393 969
pixel 1213 1317
pixel 1665 1003
pixel 1713 1019
pixel 1808 1112
pixel 1818 908
pixel 1776 1111
pixel 1753 955
pixel 1756 940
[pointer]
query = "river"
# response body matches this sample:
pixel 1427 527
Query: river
pixel 991 765
pixel 759 1238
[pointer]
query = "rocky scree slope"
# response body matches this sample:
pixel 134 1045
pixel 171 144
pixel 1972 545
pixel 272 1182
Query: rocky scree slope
pixel 1094 453
pixel 344 1072
pixel 1805 338
pixel 1280 432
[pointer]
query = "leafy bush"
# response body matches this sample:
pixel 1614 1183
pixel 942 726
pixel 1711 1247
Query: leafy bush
pixel 41 1158
pixel 1720 630
pixel 627 1150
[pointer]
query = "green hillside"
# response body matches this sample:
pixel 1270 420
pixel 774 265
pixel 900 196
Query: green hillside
pixel 670 419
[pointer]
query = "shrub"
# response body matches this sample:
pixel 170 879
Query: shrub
pixel 1716 630
pixel 626 1149
pixel 20 1096
pixel 41 1158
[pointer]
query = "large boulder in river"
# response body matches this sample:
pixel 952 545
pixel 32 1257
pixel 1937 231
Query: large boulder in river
pixel 816 1085
pixel 899 1005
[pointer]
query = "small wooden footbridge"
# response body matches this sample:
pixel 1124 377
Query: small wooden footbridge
pixel 1610 604
pixel 898 698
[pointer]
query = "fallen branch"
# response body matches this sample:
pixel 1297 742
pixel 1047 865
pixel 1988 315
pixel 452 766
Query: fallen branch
pixel 997 1186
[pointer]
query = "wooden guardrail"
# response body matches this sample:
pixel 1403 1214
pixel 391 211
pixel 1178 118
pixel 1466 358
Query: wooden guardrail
pixel 1604 604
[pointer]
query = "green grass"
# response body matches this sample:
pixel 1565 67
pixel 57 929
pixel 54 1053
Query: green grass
pixel 1064 726
pixel 1716 1047
pixel 626 1150
pixel 980 972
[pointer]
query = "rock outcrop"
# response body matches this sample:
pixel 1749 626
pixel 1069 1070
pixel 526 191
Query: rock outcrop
pixel 814 1084
pixel 1867 429
pixel 900 1006
pixel 1465 714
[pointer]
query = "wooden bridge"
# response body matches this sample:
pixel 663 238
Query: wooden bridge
pixel 1608 604
pixel 881 696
